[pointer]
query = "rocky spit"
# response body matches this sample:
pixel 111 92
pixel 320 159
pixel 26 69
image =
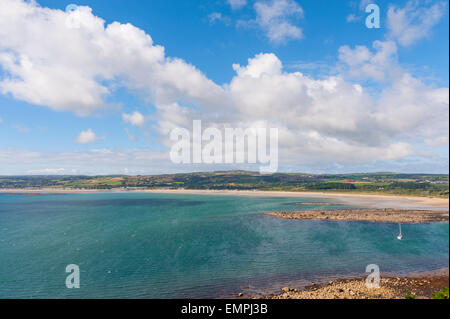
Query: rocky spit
pixel 406 216
pixel 390 288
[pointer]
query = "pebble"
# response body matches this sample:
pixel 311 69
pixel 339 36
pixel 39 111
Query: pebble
pixel 391 288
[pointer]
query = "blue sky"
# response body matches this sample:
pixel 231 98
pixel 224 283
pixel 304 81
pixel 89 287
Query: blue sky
pixel 40 127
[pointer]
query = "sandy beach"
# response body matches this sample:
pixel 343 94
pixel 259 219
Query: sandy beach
pixel 363 200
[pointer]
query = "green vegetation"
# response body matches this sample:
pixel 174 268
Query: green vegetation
pixel 385 183
pixel 442 294
pixel 409 295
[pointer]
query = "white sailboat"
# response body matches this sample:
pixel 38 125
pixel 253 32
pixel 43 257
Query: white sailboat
pixel 399 237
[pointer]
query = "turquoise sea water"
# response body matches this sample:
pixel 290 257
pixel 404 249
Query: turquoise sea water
pixel 137 245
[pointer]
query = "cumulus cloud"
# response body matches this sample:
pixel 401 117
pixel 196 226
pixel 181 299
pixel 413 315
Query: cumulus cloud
pixel 87 137
pixel 413 22
pixel 331 119
pixel 262 64
pixel 410 108
pixel 275 18
pixel 135 118
pixel 74 75
pixel 362 63
pixel 308 112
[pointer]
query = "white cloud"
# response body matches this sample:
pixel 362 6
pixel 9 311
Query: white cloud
pixel 410 24
pixel 318 67
pixel 74 75
pixel 94 161
pixel 237 4
pixel 274 18
pixel 326 119
pixel 106 161
pixel 51 171
pixel 261 64
pixel 135 118
pixel 87 137
pixel 410 108
pixel 321 120
pixel 362 63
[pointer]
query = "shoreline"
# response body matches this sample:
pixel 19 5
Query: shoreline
pixel 361 200
pixel 420 284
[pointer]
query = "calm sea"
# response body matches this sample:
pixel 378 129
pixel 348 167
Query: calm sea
pixel 137 245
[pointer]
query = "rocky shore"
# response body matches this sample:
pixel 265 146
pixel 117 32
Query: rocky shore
pixel 406 216
pixel 390 288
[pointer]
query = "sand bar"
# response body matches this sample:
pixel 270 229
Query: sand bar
pixel 386 215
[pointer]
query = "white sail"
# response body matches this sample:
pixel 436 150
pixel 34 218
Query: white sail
pixel 399 237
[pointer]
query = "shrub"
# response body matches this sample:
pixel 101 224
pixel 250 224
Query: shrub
pixel 443 294
pixel 409 295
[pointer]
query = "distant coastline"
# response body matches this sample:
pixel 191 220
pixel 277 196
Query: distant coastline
pixel 416 185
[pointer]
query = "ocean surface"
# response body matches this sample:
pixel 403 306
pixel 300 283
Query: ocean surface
pixel 142 245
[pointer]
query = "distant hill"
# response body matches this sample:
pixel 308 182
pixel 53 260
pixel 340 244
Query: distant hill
pixel 386 183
